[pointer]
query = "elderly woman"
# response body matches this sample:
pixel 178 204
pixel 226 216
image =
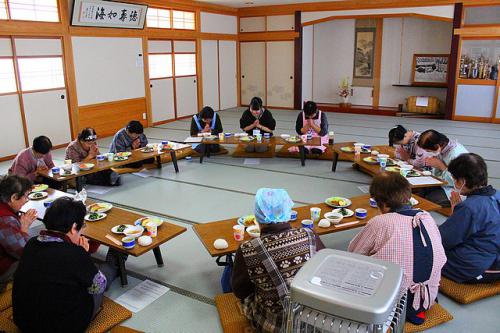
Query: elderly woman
pixel 406 236
pixel 14 226
pixel 57 287
pixel 441 151
pixel 85 149
pixel 256 117
pixel 471 235
pixel 407 148
pixel 257 285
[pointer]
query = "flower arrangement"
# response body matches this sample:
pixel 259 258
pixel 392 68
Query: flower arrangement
pixel 345 89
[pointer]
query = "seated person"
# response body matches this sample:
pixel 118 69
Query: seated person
pixel 57 286
pixel 206 121
pixel 441 151
pixel 256 117
pixel 84 149
pixel 314 122
pixel 14 227
pixel 471 235
pixel 33 161
pixel 406 236
pixel 407 148
pixel 288 248
pixel 130 138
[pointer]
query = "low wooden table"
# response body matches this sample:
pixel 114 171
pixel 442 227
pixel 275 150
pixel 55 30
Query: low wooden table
pixel 273 141
pixel 209 232
pixel 98 230
pixel 137 156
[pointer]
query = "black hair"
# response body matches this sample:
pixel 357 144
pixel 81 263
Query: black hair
pixel 256 103
pixel 87 134
pixel 391 190
pixel 206 113
pixel 135 126
pixel 13 184
pixel 310 108
pixel 63 212
pixel 471 168
pixel 432 139
pixel 396 134
pixel 42 144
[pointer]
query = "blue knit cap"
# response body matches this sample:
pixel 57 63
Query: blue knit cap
pixel 272 206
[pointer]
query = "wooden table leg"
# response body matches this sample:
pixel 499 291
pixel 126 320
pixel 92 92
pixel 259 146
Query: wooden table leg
pixel 121 268
pixel 334 161
pixel 302 150
pixel 158 257
pixel 64 186
pixel 79 183
pixel 203 152
pixel 158 161
pixel 174 160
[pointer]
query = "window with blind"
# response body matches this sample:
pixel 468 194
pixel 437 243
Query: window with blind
pixel 41 73
pixel 185 64
pixel 160 66
pixel 33 10
pixel 7 76
pixel 168 19
pixel 158 18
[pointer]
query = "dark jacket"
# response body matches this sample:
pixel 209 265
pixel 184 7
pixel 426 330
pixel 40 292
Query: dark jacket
pixel 266 119
pixel 471 236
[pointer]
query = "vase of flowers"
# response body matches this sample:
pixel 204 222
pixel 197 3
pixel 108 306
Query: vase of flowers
pixel 345 92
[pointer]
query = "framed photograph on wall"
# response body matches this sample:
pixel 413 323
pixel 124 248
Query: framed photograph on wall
pixel 108 14
pixel 430 69
pixel 364 53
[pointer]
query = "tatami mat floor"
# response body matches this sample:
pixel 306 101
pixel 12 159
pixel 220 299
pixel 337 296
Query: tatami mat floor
pixel 223 187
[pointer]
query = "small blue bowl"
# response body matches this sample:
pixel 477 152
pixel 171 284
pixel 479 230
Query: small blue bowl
pixel 361 213
pixel 267 135
pixel 101 157
pixel 309 136
pixel 227 135
pixel 128 242
pixel 56 170
pixel 47 203
pixel 293 215
pixel 373 203
pixel 188 158
pixel 307 224
pixel 367 147
pixel 164 142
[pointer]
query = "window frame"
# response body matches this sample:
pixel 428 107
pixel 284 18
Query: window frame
pixel 171 10
pixel 23 91
pixel 195 65
pixel 172 65
pixel 9 15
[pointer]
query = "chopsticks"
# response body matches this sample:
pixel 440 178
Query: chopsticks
pixel 345 224
pixel 113 239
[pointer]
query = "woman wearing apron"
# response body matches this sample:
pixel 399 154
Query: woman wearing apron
pixel 314 122
pixel 206 121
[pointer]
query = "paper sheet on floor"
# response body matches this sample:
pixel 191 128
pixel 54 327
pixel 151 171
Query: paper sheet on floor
pixel 251 161
pixel 141 295
pixel 426 180
pixel 364 188
pixel 97 189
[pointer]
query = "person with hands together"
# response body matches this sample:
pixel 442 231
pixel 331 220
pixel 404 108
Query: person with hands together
pixel 14 225
pixel 471 235
pixel 440 152
pixel 206 121
pixel 406 146
pixel 257 117
pixel 314 123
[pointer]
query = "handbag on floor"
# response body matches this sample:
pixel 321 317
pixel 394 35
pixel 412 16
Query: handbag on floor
pixel 225 280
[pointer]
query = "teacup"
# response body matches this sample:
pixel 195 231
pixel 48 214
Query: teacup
pixel 48 203
pixel 293 215
pixel 361 213
pixel 111 156
pixel 100 157
pixel 56 170
pixel 267 135
pixel 128 242
pixel 309 136
pixel 307 224
pixel 373 203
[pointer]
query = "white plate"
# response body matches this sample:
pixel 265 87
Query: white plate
pixel 285 136
pixel 87 167
pixel 347 201
pixel 32 195
pixel 104 207
pixel 157 220
pixel 242 219
pixel 413 201
pixel 39 187
pixel 350 212
pixel 247 138
pixel 101 217
pixel 115 228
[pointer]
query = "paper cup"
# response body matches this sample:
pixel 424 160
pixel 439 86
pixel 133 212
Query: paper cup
pixel 68 161
pixel 152 229
pixel 307 224
pixel 221 136
pixel 304 137
pixel 111 156
pixel 315 213
pixel 357 147
pixel 259 137
pixel 238 232
pixel 255 132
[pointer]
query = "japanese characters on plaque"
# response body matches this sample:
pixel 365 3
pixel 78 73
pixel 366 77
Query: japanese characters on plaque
pixel 108 14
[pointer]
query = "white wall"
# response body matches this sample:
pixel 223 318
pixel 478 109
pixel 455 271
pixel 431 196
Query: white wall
pixel 108 69
pixel 401 38
pixel 217 23
pixel 333 58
